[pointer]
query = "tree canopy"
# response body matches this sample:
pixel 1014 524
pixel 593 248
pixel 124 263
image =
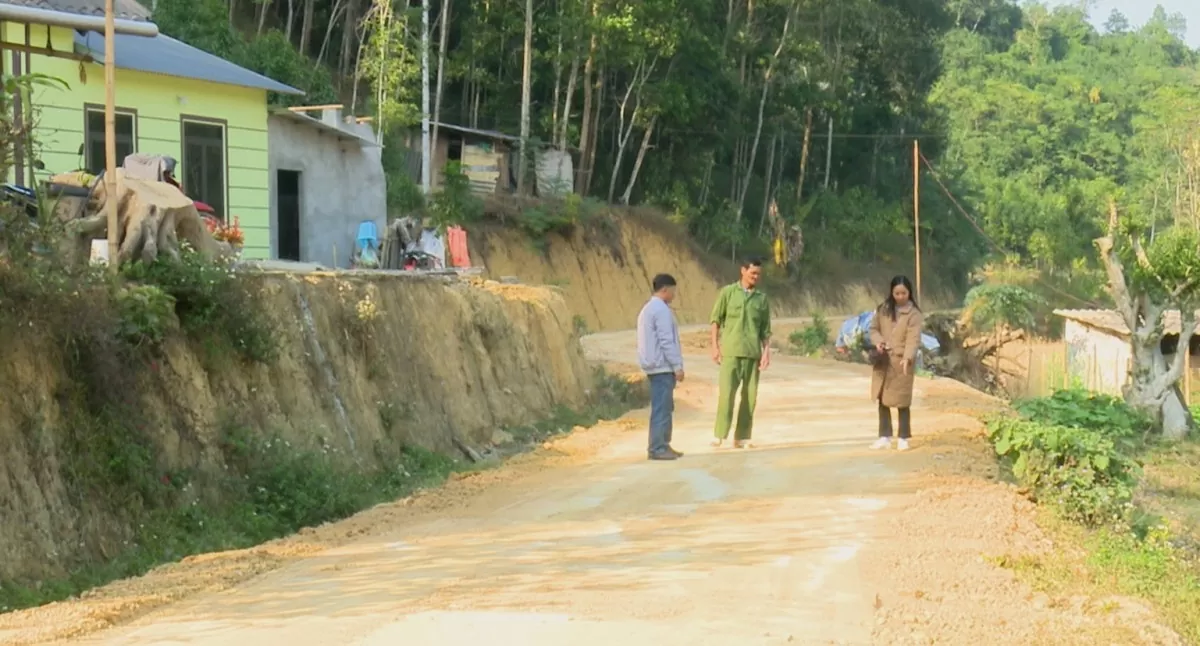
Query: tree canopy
pixel 710 109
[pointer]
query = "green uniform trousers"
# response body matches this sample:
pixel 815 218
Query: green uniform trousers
pixel 737 373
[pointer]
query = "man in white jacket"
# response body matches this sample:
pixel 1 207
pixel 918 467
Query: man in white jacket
pixel 661 357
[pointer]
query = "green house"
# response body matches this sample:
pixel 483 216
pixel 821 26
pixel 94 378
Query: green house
pixel 172 99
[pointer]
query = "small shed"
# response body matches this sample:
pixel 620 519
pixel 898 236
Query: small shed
pixel 326 178
pixel 489 160
pixel 1097 347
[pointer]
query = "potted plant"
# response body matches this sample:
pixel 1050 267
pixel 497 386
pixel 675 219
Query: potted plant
pixel 231 234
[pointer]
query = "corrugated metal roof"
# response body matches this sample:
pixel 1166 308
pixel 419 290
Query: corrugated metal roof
pixel 1111 321
pixel 126 9
pixel 488 134
pixel 165 55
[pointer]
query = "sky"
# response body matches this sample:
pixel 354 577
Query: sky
pixel 1138 11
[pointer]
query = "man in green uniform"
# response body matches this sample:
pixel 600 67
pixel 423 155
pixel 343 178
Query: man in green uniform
pixel 741 333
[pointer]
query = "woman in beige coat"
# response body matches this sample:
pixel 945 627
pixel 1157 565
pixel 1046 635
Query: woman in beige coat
pixel 895 332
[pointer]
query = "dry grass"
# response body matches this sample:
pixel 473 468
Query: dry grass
pixel 1171 487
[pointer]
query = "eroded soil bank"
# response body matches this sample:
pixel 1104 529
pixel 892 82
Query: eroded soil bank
pixel 440 367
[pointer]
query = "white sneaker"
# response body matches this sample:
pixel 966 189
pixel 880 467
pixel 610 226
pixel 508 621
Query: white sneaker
pixel 881 443
pixel 902 445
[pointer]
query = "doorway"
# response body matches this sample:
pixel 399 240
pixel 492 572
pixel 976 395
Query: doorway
pixel 287 200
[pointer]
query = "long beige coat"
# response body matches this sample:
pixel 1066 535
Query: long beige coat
pixel 890 385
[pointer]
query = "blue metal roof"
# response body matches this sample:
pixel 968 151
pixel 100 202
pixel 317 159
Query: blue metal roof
pixel 165 55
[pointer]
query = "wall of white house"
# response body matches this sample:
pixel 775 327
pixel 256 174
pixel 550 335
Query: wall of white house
pixel 341 184
pixel 1097 360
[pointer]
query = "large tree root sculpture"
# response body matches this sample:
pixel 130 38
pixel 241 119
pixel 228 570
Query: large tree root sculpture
pixel 154 218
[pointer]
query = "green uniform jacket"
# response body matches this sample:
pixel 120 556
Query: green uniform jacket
pixel 744 319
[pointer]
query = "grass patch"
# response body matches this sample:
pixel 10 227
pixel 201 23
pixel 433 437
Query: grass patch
pixel 812 339
pixel 1171 486
pixel 1104 562
pixel 1128 529
pixel 612 397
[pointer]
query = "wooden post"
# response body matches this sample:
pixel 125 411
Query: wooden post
pixel 917 210
pixel 1066 365
pixel 110 134
pixel 1029 379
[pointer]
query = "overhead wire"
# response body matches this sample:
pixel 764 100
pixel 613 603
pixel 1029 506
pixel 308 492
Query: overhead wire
pixel 937 178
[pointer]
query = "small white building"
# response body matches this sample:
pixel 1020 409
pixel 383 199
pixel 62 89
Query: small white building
pixel 1097 347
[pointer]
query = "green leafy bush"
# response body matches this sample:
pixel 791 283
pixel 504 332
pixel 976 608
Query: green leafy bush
pixel 812 338
pixel 1093 411
pixel 455 203
pixel 1080 470
pixel 1073 449
pixel 146 312
pixel 211 301
pixel 288 488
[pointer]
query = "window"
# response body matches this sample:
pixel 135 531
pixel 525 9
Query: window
pixel 93 134
pixel 203 171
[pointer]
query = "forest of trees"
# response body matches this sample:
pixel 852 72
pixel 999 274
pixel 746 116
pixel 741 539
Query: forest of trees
pixel 708 109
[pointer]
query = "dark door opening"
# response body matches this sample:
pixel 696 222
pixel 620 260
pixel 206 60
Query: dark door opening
pixel 287 200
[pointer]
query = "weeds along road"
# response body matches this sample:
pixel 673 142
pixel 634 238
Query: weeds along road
pixel 809 538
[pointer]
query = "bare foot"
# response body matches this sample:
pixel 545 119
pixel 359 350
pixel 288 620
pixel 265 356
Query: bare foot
pixel 743 444
pixel 716 443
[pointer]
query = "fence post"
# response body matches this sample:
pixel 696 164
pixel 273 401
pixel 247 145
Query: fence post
pixel 1066 366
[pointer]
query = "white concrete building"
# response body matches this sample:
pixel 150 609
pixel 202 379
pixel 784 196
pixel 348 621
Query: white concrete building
pixel 326 178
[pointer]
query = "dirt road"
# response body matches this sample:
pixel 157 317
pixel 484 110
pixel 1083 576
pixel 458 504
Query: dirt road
pixel 809 538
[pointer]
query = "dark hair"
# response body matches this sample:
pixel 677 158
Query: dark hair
pixel 889 305
pixel 661 281
pixel 751 262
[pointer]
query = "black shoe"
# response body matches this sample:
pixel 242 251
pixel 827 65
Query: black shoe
pixel 664 456
pixel 678 454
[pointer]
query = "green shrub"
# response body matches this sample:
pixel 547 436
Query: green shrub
pixel 1093 411
pixel 1080 470
pixel 146 314
pixel 455 204
pixel 1074 449
pixel 812 338
pixel 211 300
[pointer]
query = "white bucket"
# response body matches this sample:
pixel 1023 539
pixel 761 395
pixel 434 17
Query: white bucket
pixel 99 253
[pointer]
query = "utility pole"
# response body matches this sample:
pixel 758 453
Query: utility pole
pixel 110 134
pixel 426 154
pixel 526 70
pixel 829 151
pixel 917 210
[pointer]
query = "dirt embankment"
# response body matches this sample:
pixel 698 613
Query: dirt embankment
pixel 605 275
pixel 605 269
pixel 444 364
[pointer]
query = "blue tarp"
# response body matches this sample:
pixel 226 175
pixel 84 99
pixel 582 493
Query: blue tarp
pixel 854 331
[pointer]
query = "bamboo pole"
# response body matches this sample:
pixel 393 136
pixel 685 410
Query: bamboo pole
pixel 917 210
pixel 110 133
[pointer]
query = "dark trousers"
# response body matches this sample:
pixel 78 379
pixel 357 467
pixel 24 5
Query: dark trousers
pixel 885 422
pixel 662 409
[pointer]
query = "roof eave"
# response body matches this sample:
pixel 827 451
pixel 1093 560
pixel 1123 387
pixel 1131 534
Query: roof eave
pixel 271 85
pixel 321 126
